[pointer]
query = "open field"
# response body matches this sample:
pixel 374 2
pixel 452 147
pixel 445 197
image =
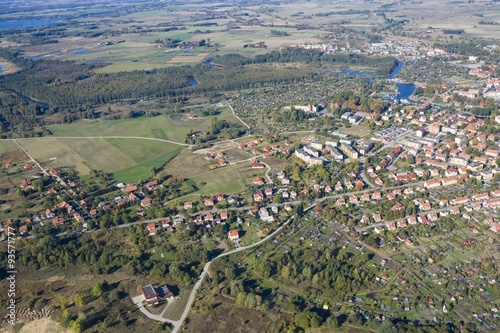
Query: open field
pixel 129 159
pixel 188 58
pixel 133 174
pixel 53 153
pixel 174 311
pixel 225 179
pixel 8 147
pixel 174 128
pixel 356 130
pixel 7 67
pixel 314 19
pixel 229 317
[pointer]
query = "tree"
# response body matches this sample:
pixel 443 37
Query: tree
pixel 98 289
pixel 241 298
pixel 77 326
pixel 64 303
pixel 387 327
pixel 80 300
pixel 333 322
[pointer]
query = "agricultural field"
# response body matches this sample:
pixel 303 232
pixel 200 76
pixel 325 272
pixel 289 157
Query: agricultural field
pixel 163 127
pixel 129 159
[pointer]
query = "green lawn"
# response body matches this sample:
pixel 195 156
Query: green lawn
pixel 174 311
pixel 167 255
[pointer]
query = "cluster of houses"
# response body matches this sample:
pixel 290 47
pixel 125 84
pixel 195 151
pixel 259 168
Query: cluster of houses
pixel 473 203
pixel 81 210
pixel 448 146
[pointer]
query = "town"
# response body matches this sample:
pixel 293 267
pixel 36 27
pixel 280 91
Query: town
pixel 228 167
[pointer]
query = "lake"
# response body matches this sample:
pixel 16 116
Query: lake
pixel 405 90
pixel 26 23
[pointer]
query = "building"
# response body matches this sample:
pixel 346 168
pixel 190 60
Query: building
pixel 233 235
pixel 458 161
pixel 153 294
pixel 412 144
pixel 311 108
pixel 449 129
pixel 336 154
pixel 366 148
pixel 433 183
pixel 311 151
pixel 317 145
pixel 434 128
pixel 349 151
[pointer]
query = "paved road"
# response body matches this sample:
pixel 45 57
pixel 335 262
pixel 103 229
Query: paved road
pixel 362 173
pixel 207 266
pixel 137 300
pixel 336 196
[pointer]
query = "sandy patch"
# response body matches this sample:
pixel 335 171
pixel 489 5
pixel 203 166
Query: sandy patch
pixel 45 325
pixel 55 278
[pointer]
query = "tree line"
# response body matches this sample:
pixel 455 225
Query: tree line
pixel 383 65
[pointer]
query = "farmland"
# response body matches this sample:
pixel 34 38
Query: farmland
pixel 164 127
pixel 130 159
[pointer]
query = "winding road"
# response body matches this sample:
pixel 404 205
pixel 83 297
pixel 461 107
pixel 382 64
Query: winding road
pixel 137 300
pixel 207 266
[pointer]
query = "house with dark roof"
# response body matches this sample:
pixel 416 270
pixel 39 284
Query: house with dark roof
pixel 153 294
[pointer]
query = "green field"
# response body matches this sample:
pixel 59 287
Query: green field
pixel 129 159
pixel 7 146
pixel 133 174
pixel 161 127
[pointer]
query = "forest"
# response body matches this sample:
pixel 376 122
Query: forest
pixel 383 65
pixel 71 88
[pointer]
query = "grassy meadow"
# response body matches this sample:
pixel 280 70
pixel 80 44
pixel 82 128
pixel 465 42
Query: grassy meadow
pixel 160 127
pixel 128 159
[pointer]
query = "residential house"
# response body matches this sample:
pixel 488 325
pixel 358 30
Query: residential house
pixel 146 202
pixel 391 226
pixel 151 229
pixel 258 181
pixel 233 235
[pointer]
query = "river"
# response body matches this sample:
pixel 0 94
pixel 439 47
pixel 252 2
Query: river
pixel 405 90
